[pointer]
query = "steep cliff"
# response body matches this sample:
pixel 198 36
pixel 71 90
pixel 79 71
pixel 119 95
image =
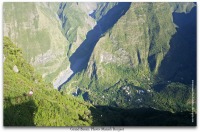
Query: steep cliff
pixel 76 22
pixel 128 58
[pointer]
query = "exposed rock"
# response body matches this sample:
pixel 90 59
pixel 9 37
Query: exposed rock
pixel 15 69
pixel 62 77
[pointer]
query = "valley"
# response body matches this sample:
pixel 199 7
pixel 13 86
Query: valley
pixel 79 59
pixel 103 63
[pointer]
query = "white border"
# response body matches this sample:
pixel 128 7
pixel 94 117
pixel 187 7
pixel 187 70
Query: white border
pixel 65 129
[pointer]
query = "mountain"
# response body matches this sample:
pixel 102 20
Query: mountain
pixel 51 28
pixel 48 107
pixel 110 63
pixel 76 22
pixel 139 53
pixel 35 29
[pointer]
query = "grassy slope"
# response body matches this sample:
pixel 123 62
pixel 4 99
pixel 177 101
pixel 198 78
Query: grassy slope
pixel 47 107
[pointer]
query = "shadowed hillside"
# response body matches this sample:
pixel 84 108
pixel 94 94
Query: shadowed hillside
pixel 111 116
pixel 21 114
pixel 79 59
pixel 180 62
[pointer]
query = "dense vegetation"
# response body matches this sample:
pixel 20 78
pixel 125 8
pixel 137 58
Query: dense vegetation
pixel 112 116
pixel 48 107
pixel 126 68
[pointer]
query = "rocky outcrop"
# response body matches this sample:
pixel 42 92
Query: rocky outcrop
pixel 15 69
